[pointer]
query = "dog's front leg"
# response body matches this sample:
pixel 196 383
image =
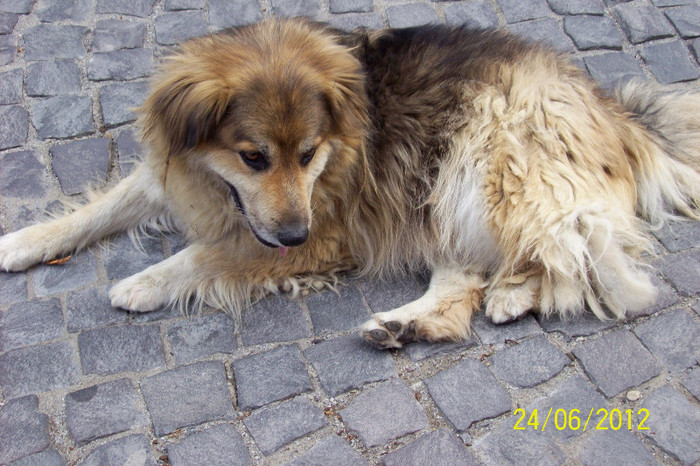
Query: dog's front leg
pixel 135 199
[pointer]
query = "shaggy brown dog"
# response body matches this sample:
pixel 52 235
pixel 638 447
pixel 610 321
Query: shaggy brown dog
pixel 288 152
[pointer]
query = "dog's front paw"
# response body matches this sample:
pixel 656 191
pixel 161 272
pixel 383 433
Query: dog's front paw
pixel 17 252
pixel 386 334
pixel 138 293
pixel 507 304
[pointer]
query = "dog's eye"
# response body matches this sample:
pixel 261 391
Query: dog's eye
pixel 255 160
pixel 307 156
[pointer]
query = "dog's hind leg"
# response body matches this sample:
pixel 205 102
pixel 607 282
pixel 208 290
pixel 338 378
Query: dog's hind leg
pixel 443 313
pixel 134 200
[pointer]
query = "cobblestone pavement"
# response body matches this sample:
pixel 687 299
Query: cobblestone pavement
pixel 84 383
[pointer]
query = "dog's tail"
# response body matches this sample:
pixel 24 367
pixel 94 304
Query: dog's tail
pixel 664 150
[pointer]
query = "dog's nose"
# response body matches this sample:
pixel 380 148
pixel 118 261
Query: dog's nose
pixel 293 234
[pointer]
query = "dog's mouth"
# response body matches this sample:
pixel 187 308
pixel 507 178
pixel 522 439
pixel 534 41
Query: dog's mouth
pixel 239 204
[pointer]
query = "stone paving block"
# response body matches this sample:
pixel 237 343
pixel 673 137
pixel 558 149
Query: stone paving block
pixel 110 350
pixel 343 311
pixel 167 312
pixel 385 295
pixel 227 13
pixel 8 49
pixel 134 449
pixel 529 363
pixel 616 361
pixel 38 368
pixel 62 116
pixel 478 14
pixel 546 31
pixel 503 445
pixel 50 41
pixel 421 349
pixel 17 6
pixel 517 10
pixel 642 23
pixel 412 14
pixel 670 62
pixel 11 87
pixel 289 8
pixel 14 126
pixel 670 2
pixel 593 32
pixel 113 34
pixel 348 362
pixel 610 68
pixel 679 235
pixel 117 100
pixel 91 308
pixel 384 413
pixel 467 393
pixel 129 151
pixel 696 307
pixel 350 21
pixel 574 393
pixel 271 320
pixel 331 450
pixel 120 65
pixel 13 286
pixel 177 27
pixel 673 337
pixel 29 323
pixel 123 258
pixel 24 430
pixel 274 427
pixel 8 21
pixel 598 448
pixel 22 175
pixel 79 271
pixel 691 382
pixel 350 6
pixel 577 7
pixel 197 337
pixel 187 396
pixel 695 45
pixel 50 78
pixel 683 270
pixel 492 334
pixel 581 325
pixel 217 446
pixel 45 458
pixel 674 424
pixel 686 20
pixel 140 8
pixel 185 4
pixel 102 410
pixel 80 164
pixel 270 376
pixel 440 445
pixel 50 11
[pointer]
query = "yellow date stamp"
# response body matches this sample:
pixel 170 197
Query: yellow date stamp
pixel 561 419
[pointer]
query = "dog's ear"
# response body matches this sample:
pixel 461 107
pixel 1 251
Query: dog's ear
pixel 345 95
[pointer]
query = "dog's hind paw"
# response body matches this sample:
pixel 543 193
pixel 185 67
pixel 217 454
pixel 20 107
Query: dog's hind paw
pixel 138 293
pixel 390 334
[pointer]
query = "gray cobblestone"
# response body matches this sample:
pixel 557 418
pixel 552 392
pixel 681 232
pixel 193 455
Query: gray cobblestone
pixel 198 337
pixel 173 28
pixel 133 449
pixel 17 6
pixel 610 68
pixel 273 319
pixel 120 65
pixel 38 368
pixel 616 361
pixel 227 13
pixel 79 271
pixel 91 308
pixel 642 23
pixel 545 30
pixel 117 100
pixel 478 14
pixel 351 21
pixel 169 396
pixel 581 325
pixel 8 49
pixel 577 7
pixel 670 2
pixel 62 116
pixel 11 87
pixel 421 350
pixel 412 14
pixel 102 410
pixel 673 337
pixel 112 34
pixel 331 450
pixel 14 126
pixel 289 8
pixel 141 8
pixel 125 348
pixel 185 4
pixel 695 45
pixel 384 296
pixel 342 311
pixel 384 413
pixel 691 382
pixel 504 445
pixel 679 235
pixel 350 6
pixel 528 363
pixel 598 448
pixel 674 424
pixel 80 164
pixel 347 362
pixel 13 287
pixel 44 458
pixel 274 427
pixel 50 78
pixel 427 449
pixel 49 41
pixel 516 10
pixel 467 393
pixel 593 32
pixel 217 446
pixel 491 334
pixel 129 151
pixel 270 376
pixel 8 21
pixel 683 270
pixel 686 20
pixel 60 10
pixel 22 175
pixel 23 429
pixel 29 323
pixel 670 62
pixel 123 258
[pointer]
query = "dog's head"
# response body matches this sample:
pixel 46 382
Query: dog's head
pixel 263 108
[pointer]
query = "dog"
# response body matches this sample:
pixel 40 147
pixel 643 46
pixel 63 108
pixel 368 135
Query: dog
pixel 288 152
